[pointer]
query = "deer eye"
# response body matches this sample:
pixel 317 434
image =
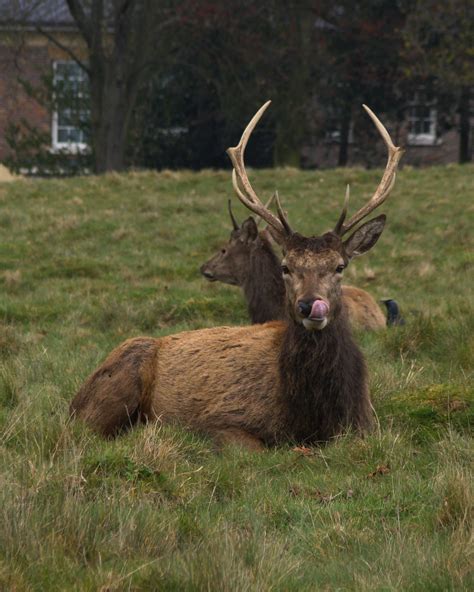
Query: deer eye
pixel 285 270
pixel 340 268
pixel 223 251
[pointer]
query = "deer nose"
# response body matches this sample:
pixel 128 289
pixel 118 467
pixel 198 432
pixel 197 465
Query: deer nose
pixel 305 306
pixel 206 273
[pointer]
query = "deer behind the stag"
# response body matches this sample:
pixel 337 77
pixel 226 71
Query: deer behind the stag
pixel 302 380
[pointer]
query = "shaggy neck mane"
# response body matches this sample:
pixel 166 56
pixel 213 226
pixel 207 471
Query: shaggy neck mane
pixel 263 285
pixel 323 375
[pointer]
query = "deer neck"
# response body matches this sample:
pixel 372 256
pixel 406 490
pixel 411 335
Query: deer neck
pixel 323 376
pixel 263 286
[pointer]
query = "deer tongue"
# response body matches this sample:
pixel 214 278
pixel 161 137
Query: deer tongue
pixel 319 310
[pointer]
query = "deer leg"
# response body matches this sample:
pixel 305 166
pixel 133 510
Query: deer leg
pixel 239 437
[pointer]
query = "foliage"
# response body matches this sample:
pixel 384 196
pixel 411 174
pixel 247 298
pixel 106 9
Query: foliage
pixel 363 43
pixel 31 153
pixel 439 42
pixel 30 146
pixel 87 262
pixel 172 82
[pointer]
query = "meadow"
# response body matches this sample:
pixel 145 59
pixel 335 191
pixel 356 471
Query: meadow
pixel 88 262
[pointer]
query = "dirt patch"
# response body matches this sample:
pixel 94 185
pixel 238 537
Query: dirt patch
pixel 5 175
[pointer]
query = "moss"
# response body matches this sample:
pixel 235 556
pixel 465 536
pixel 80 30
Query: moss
pixel 433 407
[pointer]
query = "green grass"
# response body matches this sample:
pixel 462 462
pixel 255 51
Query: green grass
pixel 86 263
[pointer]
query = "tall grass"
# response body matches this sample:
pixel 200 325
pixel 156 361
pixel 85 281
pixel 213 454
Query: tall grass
pixel 85 263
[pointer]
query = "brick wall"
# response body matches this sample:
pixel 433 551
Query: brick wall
pixel 27 57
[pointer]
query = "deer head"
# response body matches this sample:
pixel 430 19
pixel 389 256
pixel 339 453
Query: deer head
pixel 231 264
pixel 312 267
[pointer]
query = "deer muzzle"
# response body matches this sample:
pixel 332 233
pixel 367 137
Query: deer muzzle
pixel 316 314
pixel 207 273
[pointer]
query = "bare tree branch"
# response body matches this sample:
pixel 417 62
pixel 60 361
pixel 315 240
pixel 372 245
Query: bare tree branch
pixel 64 48
pixel 84 24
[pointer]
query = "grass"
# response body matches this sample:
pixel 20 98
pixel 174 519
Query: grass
pixel 87 262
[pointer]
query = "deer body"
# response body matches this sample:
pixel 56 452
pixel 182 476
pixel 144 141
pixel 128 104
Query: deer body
pixel 303 379
pixel 233 383
pixel 363 311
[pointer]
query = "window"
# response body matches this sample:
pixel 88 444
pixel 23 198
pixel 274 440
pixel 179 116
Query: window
pixel 422 119
pixel 71 111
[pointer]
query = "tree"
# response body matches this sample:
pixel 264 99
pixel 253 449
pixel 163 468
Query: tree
pixel 363 42
pixel 123 38
pixel 439 45
pixel 230 57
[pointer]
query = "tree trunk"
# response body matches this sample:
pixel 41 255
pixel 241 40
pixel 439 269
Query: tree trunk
pixel 465 152
pixel 112 105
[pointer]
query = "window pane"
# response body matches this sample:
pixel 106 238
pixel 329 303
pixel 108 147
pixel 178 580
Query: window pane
pixel 71 93
pixel 65 117
pixel 62 134
pixel 73 135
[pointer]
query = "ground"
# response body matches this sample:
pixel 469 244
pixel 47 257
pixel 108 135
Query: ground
pixel 88 262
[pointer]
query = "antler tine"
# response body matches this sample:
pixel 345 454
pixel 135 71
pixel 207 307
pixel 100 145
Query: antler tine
pixel 387 181
pixel 258 219
pixel 247 194
pixel 231 214
pixel 342 217
pixel 282 215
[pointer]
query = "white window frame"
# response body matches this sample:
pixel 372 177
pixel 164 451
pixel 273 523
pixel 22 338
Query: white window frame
pixel 56 146
pixel 425 138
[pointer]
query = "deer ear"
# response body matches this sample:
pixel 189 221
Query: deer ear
pixel 249 230
pixel 365 237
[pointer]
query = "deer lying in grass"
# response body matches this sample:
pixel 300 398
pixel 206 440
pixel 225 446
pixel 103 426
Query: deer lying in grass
pixel 300 380
pixel 249 261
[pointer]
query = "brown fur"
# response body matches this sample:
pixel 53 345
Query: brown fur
pixel 119 393
pixel 259 384
pixel 363 311
pixel 320 396
pixel 249 261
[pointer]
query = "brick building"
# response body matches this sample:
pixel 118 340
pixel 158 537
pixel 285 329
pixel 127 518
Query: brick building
pixel 27 56
pixel 30 62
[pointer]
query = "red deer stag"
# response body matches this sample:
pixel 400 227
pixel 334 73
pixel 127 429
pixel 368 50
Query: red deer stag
pixel 300 380
pixel 248 260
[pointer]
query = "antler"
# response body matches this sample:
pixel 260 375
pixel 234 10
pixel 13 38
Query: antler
pixel 385 185
pixel 247 194
pixel 235 224
pixel 258 219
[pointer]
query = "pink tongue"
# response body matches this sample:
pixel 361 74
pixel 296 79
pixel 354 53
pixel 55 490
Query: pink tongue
pixel 319 310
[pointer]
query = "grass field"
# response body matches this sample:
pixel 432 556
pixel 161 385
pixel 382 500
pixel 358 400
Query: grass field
pixel 87 262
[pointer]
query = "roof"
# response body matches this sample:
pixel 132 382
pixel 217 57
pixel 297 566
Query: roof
pixel 32 13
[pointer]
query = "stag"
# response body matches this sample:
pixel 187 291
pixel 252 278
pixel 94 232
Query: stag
pixel 248 260
pixel 299 380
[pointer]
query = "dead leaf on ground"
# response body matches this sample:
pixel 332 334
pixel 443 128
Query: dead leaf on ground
pixel 303 450
pixel 380 470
